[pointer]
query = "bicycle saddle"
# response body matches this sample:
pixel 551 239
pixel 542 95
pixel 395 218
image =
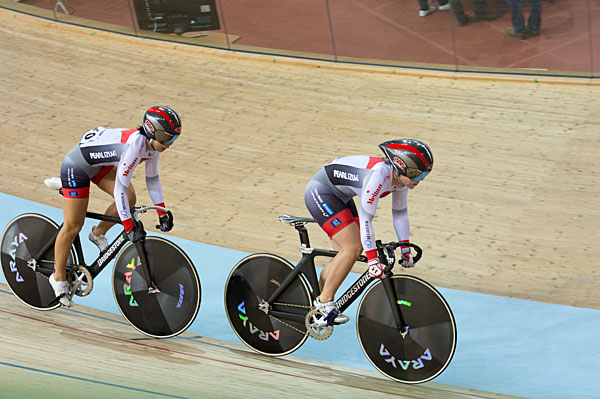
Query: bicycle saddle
pixel 295 220
pixel 53 183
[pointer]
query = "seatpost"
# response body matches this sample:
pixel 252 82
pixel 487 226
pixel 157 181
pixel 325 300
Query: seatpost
pixel 303 235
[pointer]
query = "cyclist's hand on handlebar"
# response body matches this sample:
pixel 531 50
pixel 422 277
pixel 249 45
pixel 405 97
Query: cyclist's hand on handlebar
pixel 166 223
pixel 137 233
pixel 375 268
pixel 407 260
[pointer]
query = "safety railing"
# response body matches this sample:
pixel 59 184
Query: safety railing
pixel 469 36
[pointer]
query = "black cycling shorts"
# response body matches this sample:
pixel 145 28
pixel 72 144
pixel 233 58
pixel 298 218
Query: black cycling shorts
pixel 75 181
pixel 328 209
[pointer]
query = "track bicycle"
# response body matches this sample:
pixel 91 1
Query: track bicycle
pixel 155 284
pixel 404 325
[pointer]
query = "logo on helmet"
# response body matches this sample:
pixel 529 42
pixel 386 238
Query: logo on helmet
pixel 149 126
pixel 400 162
pixel 178 130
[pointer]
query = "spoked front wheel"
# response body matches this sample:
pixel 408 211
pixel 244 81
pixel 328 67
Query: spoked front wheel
pixel 172 309
pixel 418 353
pixel 273 331
pixel 21 242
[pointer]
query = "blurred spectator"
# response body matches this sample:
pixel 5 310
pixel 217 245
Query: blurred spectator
pixel 426 9
pixel 518 28
pixel 479 7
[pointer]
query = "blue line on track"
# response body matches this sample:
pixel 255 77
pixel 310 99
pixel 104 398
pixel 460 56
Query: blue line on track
pixel 89 380
pixel 505 345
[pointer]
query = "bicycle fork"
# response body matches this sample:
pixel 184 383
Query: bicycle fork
pixel 393 301
pixel 141 250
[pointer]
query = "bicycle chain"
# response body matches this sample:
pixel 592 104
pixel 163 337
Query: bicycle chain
pixel 53 262
pixel 79 292
pixel 316 335
pixel 292 305
pixel 289 325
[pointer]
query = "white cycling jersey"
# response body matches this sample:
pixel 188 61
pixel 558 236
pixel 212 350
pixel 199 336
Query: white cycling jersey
pixel 370 178
pixel 124 149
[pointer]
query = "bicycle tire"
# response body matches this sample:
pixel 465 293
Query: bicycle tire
pixel 428 346
pixel 23 238
pixel 174 308
pixel 254 279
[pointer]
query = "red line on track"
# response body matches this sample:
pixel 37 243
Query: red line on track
pixel 194 355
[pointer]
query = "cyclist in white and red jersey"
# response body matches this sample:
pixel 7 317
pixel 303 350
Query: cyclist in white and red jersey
pixel 329 199
pixel 108 157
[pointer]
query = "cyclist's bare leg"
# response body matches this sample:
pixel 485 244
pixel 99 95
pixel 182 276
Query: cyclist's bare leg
pixel 107 184
pixel 350 248
pixel 74 210
pixel 323 275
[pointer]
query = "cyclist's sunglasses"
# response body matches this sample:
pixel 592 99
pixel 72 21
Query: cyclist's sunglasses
pixel 172 139
pixel 415 174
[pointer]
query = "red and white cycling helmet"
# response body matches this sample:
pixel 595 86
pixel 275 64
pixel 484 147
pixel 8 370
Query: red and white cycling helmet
pixel 409 157
pixel 162 124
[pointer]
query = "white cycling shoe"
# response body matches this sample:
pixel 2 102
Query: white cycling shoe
pixel 61 289
pixel 100 241
pixel 326 307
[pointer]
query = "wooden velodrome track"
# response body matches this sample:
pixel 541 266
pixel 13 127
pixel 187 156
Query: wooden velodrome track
pixel 70 353
pixel 510 209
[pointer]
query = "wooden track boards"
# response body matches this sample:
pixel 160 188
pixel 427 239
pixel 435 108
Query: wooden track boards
pixel 88 352
pixel 511 208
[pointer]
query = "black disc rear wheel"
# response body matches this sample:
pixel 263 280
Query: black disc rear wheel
pixel 419 353
pixel 251 282
pixel 168 312
pixel 22 241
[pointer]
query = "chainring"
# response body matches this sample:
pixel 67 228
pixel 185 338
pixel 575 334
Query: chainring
pixel 80 281
pixel 316 326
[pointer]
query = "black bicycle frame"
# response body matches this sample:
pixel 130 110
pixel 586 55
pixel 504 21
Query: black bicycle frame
pixel 306 266
pixel 109 253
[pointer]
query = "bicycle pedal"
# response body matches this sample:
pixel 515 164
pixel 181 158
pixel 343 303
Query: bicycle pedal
pixel 68 303
pixel 330 319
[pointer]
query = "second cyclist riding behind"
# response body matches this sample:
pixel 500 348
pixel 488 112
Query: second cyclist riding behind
pixel 108 157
